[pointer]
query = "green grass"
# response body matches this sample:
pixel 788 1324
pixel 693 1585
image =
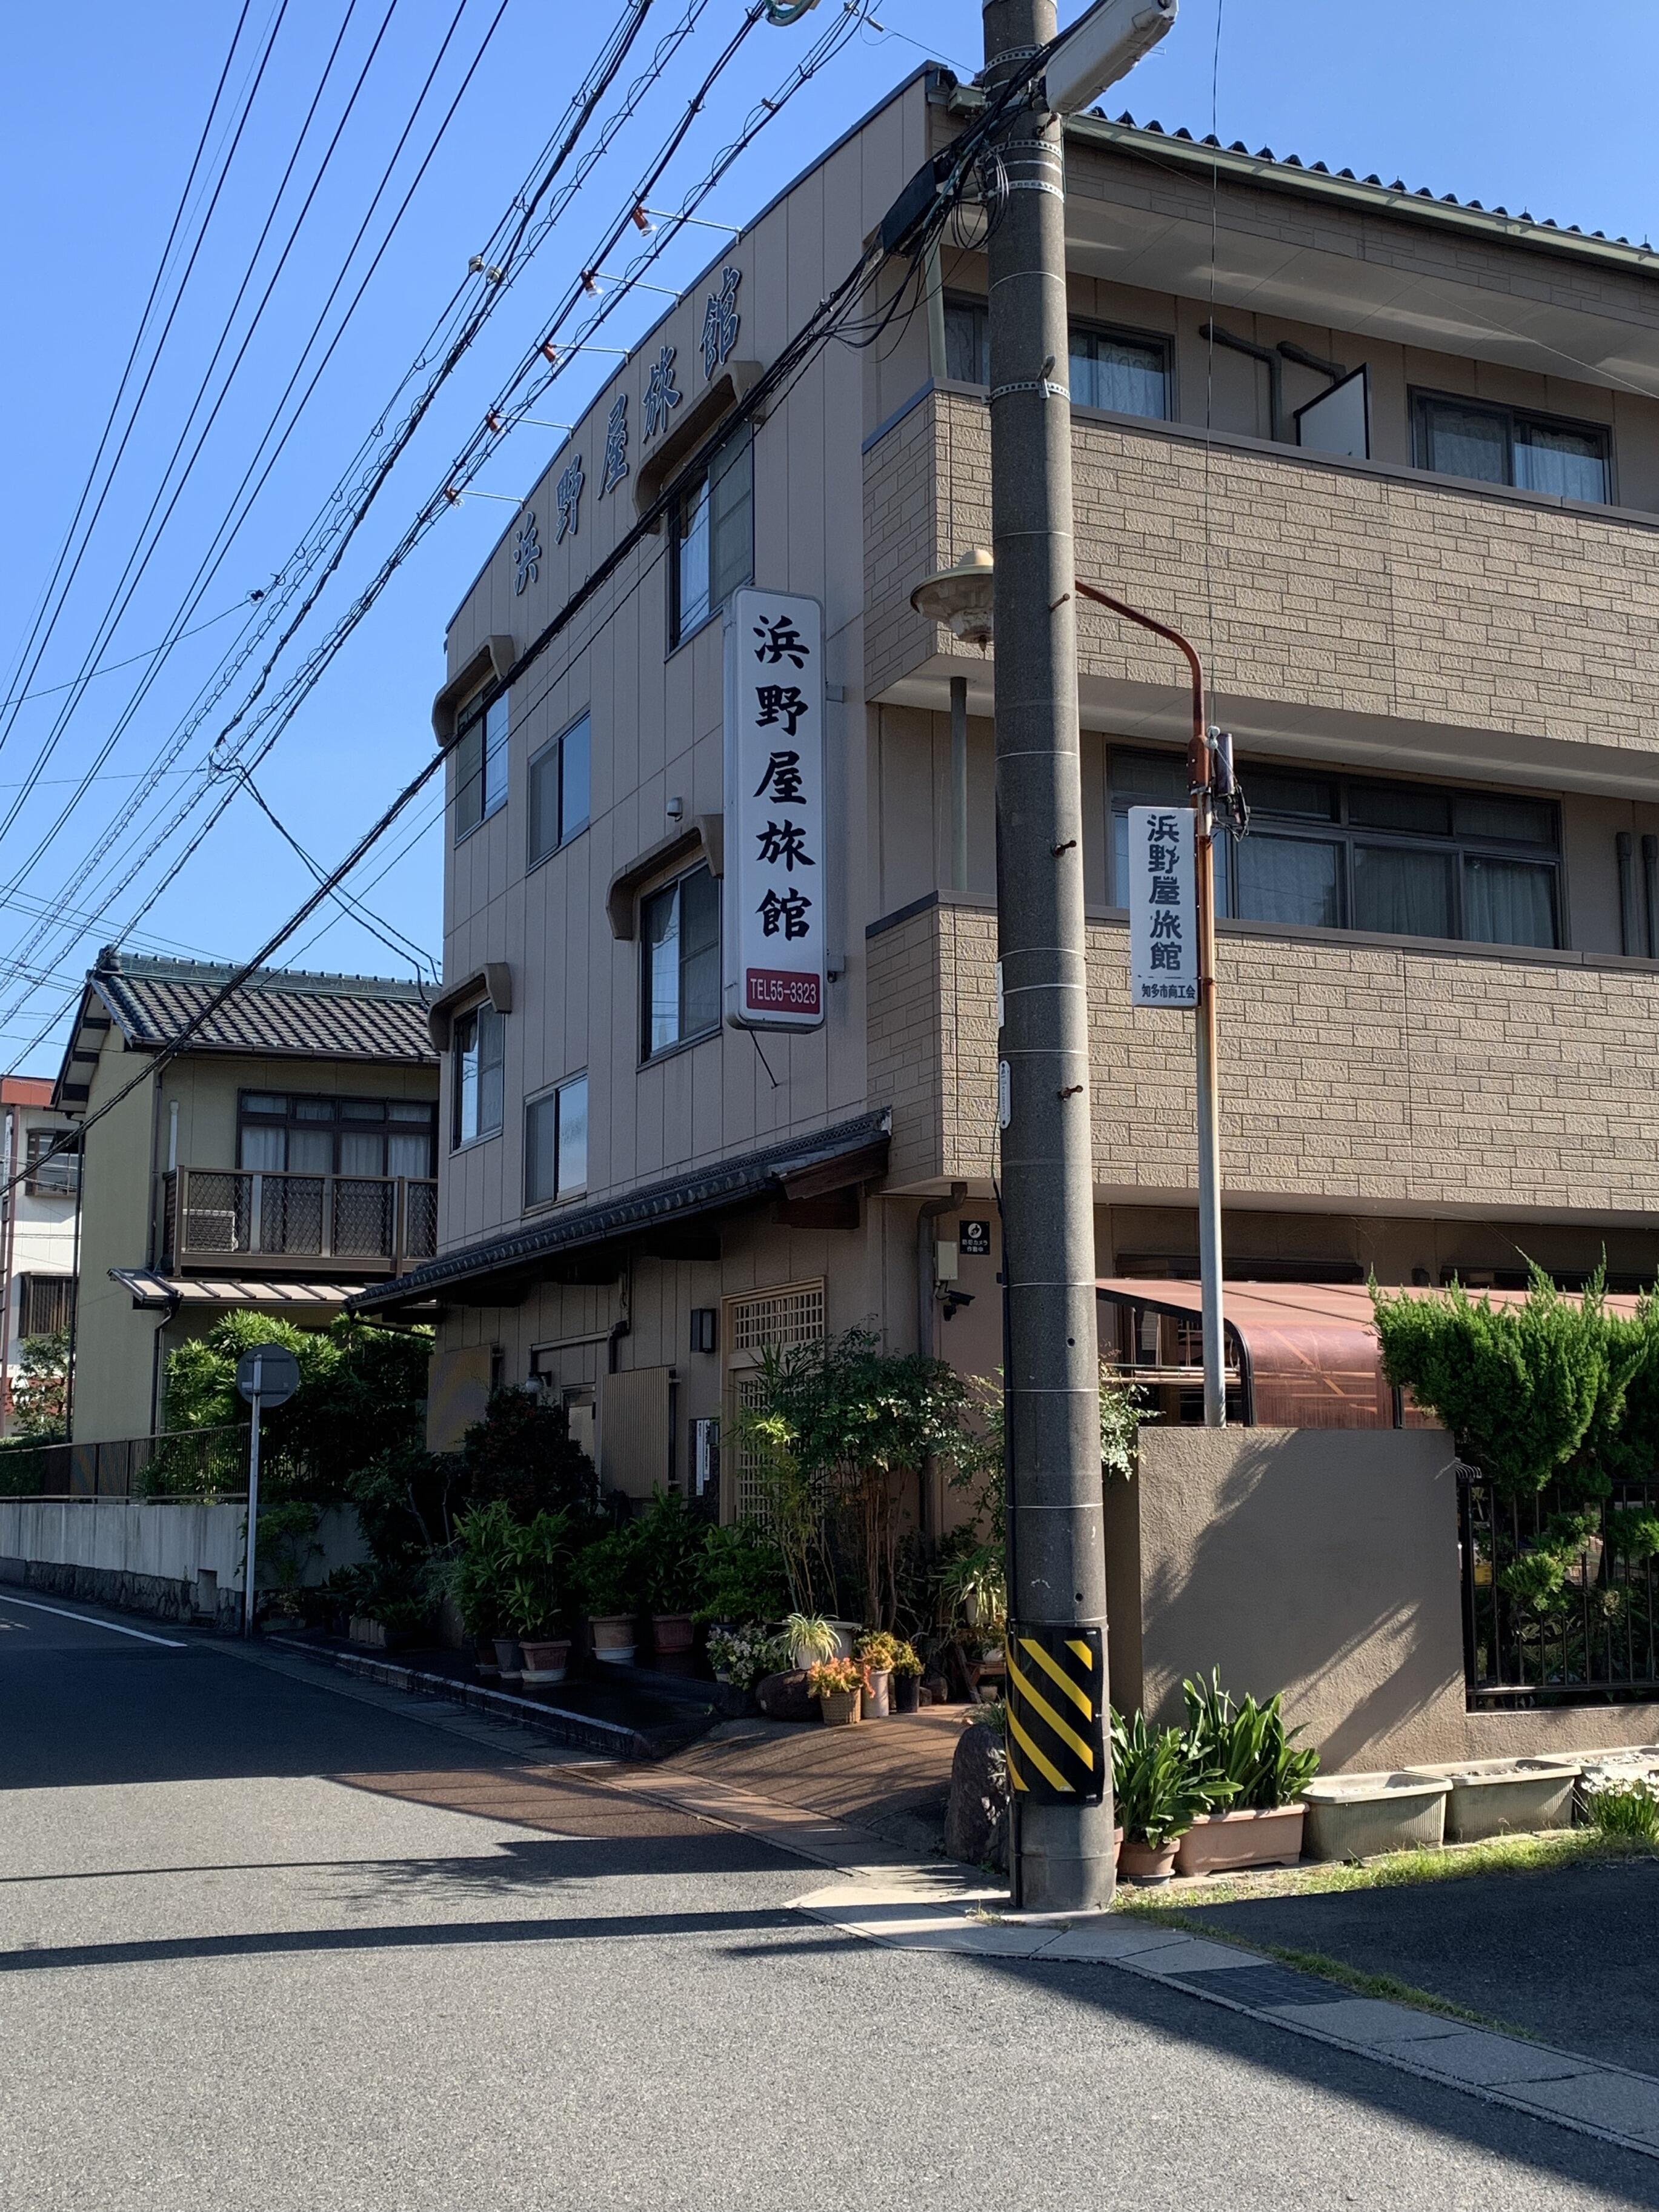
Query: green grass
pixel 1498 1855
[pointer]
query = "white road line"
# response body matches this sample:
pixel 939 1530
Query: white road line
pixel 173 1643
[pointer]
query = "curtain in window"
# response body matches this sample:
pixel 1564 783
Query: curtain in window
pixel 1569 463
pixel 1289 880
pixel 409 1152
pixel 1118 374
pixel 700 954
pixel 661 930
pixel 310 1152
pixel 1464 441
pixel 692 556
pixel 1509 903
pixel 1404 893
pixel 573 1136
pixel 265 1149
pixel 361 1154
pixel 574 778
pixel 730 518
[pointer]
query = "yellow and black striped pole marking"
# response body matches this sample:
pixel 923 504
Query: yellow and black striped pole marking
pixel 1057 1714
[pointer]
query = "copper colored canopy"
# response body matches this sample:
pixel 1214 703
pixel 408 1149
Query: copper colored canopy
pixel 1306 1353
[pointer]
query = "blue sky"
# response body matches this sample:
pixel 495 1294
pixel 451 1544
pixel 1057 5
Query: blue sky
pixel 1497 100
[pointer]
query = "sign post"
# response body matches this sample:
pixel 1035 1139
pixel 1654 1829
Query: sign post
pixel 776 912
pixel 267 1376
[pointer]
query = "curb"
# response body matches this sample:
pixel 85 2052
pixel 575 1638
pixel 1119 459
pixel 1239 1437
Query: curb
pixel 581 1731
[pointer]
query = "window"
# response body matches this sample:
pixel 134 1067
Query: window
pixel 58 1177
pixel 967 341
pixel 1126 370
pixel 1502 444
pixel 45 1304
pixel 1334 853
pixel 555 1144
pixel 1130 375
pixel 480 767
pixel 680 933
pixel 478 1049
pixel 280 1133
pixel 713 550
pixel 559 781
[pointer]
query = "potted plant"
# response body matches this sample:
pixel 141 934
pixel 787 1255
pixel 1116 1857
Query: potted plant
pixel 608 1574
pixel 537 1594
pixel 479 1579
pixel 1158 1792
pixel 670 1539
pixel 1249 1746
pixel 876 1651
pixel 907 1679
pixel 744 1657
pixel 837 1684
pixel 810 1637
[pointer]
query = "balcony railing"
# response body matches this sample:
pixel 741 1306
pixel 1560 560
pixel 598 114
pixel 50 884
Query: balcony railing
pixel 254 1218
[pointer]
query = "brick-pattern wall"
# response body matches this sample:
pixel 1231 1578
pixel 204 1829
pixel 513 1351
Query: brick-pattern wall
pixel 1349 1071
pixel 1328 587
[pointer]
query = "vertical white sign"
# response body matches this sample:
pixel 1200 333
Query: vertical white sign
pixel 775 857
pixel 1162 907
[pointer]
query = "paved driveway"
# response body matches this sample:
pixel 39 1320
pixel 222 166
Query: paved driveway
pixel 272 1942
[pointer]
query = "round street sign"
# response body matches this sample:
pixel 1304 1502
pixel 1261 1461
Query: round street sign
pixel 270 1373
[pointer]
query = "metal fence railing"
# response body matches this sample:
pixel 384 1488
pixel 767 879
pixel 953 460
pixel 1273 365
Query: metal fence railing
pixel 192 1464
pixel 1560 1597
pixel 227 1214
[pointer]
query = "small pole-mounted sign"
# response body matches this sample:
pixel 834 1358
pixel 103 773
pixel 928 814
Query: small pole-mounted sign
pixel 267 1376
pixel 1164 933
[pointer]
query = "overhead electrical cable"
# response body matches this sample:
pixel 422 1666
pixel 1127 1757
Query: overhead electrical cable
pixel 487 297
pixel 247 109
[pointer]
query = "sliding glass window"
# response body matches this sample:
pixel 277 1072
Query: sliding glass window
pixel 1505 445
pixel 1341 853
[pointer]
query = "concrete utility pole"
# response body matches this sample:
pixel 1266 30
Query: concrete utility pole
pixel 1062 1850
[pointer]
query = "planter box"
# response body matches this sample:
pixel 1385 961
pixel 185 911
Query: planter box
pixel 1515 1797
pixel 878 1682
pixel 1217 1843
pixel 613 1635
pixel 838 1708
pixel 1146 1862
pixel 546 1659
pixel 672 1632
pixel 506 1658
pixel 362 1629
pixel 1357 1816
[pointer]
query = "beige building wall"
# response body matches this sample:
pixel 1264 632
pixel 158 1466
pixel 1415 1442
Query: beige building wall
pixel 1324 1564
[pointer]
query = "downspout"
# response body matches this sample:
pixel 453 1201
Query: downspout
pixel 75 1307
pixel 1622 846
pixel 1650 887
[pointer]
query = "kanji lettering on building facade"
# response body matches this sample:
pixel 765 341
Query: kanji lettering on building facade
pixel 719 322
pixel 780 703
pixel 661 397
pixel 569 494
pixel 1161 895
pixel 526 553
pixel 774 960
pixel 616 445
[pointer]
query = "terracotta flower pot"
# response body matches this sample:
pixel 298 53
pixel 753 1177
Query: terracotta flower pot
pixel 1143 1862
pixel 506 1657
pixel 672 1632
pixel 484 1649
pixel 838 1708
pixel 546 1659
pixel 907 1694
pixel 1219 1842
pixel 877 1683
pixel 613 1638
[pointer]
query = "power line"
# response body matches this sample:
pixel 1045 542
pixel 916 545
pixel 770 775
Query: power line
pixel 579 114
pixel 109 667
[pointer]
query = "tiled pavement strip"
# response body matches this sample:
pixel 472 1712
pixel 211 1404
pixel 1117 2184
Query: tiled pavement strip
pixel 887 1896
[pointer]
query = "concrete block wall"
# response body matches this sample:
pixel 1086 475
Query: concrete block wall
pixel 1352 1068
pixel 1218 1525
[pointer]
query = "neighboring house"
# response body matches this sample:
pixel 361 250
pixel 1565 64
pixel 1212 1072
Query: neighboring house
pixel 37 1225
pixel 284 1159
pixel 1427 606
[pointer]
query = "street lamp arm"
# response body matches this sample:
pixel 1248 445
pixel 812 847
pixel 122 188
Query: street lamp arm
pixel 1200 747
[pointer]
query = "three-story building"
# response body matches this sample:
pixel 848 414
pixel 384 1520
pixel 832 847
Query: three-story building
pixel 1392 462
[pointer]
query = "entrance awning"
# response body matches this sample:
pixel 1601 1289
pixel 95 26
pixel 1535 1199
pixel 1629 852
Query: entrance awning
pixel 155 1291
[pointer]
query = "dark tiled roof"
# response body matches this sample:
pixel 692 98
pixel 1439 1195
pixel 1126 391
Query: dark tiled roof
pixel 1292 161
pixel 276 1011
pixel 860 1144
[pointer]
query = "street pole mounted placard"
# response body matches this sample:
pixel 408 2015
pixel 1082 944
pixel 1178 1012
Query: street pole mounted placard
pixel 1163 965
pixel 267 1376
pixel 776 908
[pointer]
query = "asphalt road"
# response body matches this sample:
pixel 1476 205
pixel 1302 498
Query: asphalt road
pixel 270 1940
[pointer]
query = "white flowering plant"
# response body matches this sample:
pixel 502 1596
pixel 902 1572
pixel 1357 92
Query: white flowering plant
pixel 746 1656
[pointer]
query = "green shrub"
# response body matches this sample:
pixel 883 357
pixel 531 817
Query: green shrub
pixel 1246 1745
pixel 669 1538
pixel 540 1561
pixel 481 1574
pixel 610 1574
pixel 1159 1787
pixel 1627 1809
pixel 522 1452
pixel 741 1575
